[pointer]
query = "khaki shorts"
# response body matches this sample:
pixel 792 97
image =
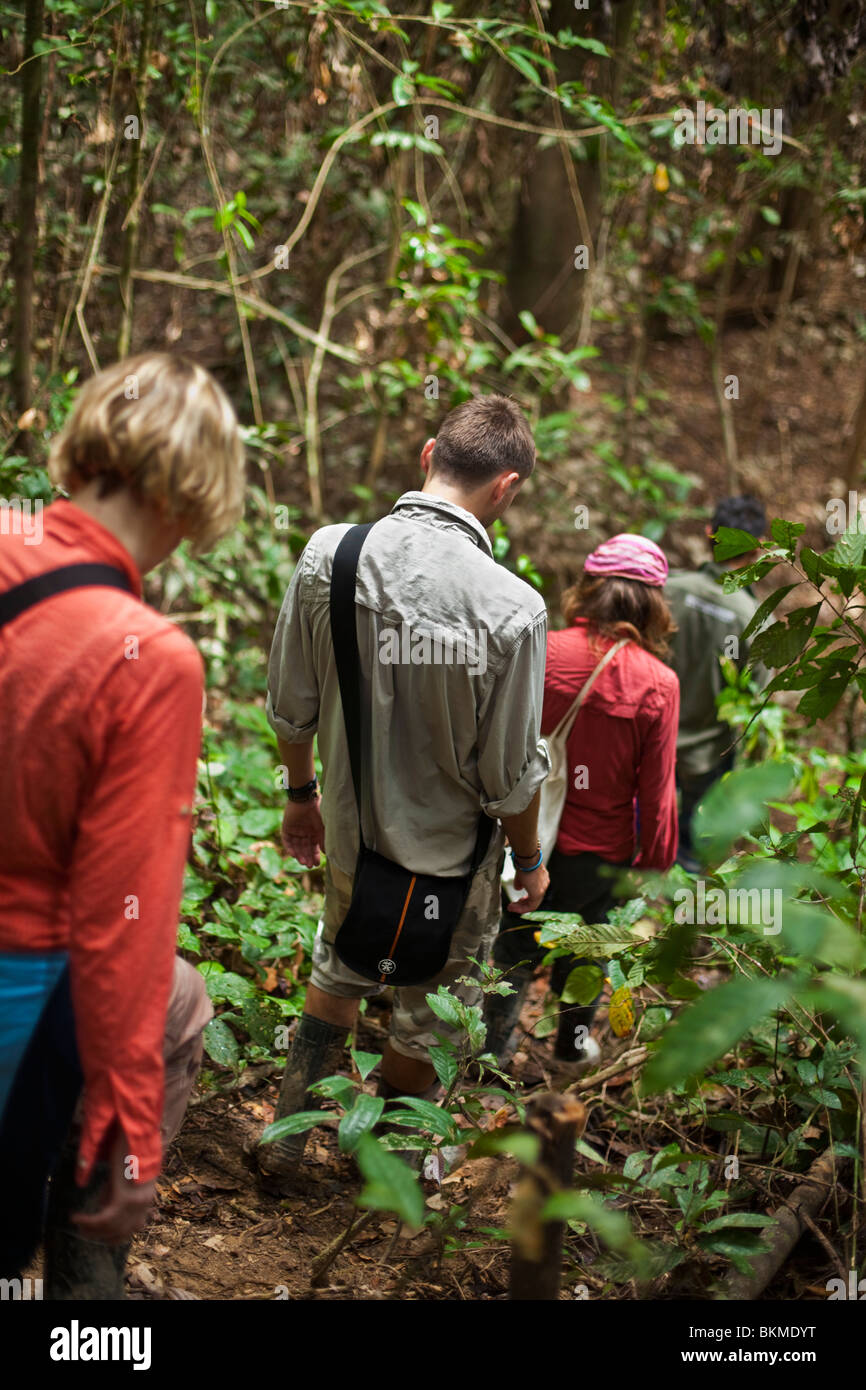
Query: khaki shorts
pixel 413 1023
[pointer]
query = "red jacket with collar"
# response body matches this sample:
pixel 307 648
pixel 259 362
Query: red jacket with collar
pixel 100 708
pixel 625 738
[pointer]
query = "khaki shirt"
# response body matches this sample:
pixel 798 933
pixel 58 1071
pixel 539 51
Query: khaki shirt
pixel 452 649
pixel 706 617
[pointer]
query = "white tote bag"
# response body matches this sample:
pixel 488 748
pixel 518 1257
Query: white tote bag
pixel 555 787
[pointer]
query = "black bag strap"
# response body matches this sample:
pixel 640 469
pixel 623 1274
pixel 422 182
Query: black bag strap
pixel 344 635
pixel 58 581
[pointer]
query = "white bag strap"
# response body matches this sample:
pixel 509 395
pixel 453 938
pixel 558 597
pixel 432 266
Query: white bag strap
pixel 566 723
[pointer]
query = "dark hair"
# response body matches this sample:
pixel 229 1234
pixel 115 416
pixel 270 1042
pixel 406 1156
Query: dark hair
pixel 482 438
pixel 741 514
pixel 617 607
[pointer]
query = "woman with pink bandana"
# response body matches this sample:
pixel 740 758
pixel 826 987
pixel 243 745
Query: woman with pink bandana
pixel 621 803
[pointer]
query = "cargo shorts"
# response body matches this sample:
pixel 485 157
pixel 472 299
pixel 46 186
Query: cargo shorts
pixel 413 1023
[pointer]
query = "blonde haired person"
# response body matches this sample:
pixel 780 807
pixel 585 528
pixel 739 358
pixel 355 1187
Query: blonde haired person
pixel 100 701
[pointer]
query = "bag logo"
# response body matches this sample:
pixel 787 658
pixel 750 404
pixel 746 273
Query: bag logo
pixel 386 966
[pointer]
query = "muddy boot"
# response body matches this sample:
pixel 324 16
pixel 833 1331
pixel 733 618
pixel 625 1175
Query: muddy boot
pixel 76 1268
pixel 501 1015
pixel 318 1050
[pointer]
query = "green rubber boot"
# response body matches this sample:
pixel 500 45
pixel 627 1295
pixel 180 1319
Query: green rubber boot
pixel 318 1049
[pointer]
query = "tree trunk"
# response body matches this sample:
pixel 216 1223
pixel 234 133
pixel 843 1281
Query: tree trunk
pixel 23 258
pixel 857 445
pixel 130 244
pixel 542 275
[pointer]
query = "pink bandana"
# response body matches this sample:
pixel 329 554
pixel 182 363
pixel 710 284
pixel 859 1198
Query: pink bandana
pixel 629 557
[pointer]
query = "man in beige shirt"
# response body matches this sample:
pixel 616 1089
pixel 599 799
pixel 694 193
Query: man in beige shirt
pixel 452 654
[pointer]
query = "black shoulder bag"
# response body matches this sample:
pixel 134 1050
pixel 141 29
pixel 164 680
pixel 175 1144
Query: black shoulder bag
pixel 399 925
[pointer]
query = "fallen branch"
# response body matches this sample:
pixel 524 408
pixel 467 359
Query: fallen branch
pixel 792 1219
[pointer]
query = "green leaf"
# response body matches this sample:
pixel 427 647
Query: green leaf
pixel 437 1120
pixel 711 1026
pixel 338 1088
pixel 583 984
pixel 600 939
pixel 298 1123
pixel 613 1226
pixel 782 642
pixel 737 1245
pixel 445 1065
pixel 763 611
pixel 366 1062
pixel 845 999
pixel 363 1115
pixel 850 548
pixel 390 1184
pixel 823 697
pixel 737 1218
pixel 737 803
pixel 444 1006
pixel 261 821
pixel 523 65
pixel 786 533
pixel 220 1044
pixel 517 1143
pixel 731 541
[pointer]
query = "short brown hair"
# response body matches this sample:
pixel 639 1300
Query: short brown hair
pixel 160 425
pixel 482 438
pixel 617 607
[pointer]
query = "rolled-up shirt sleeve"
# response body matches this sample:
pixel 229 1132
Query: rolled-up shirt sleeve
pixel 512 762
pixel 293 687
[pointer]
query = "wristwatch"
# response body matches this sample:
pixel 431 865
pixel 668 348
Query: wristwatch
pixel 307 792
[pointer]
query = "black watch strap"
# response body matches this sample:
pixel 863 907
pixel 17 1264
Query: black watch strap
pixel 304 793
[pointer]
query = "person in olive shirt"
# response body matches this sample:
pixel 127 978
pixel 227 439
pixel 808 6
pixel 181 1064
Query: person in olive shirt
pixel 707 620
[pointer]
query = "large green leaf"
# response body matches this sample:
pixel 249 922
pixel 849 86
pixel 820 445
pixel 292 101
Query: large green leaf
pixel 583 984
pixel 737 804
pixel 390 1184
pixel 845 999
pixel 707 1029
pixel 782 642
pixel 220 1043
pixel 731 541
pixel 359 1120
pixel 599 939
pixel 437 1120
pixel 763 611
pixel 445 1065
pixel 298 1123
pixel 365 1062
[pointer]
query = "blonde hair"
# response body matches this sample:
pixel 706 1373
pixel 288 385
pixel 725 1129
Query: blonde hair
pixel 160 425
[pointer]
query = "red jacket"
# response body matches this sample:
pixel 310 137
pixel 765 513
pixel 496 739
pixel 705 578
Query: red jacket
pixel 625 736
pixel 100 707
